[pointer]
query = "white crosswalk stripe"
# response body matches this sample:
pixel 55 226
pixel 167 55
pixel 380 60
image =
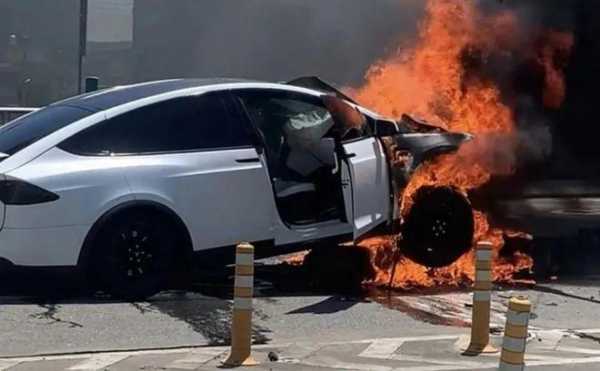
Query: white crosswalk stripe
pixel 196 358
pixel 5 365
pixel 382 349
pixel 99 362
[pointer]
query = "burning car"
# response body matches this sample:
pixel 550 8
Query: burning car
pixel 128 184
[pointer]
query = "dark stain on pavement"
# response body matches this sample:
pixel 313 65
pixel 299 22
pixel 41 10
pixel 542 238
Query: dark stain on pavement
pixel 330 305
pixel 51 314
pixel 209 317
pixel 424 315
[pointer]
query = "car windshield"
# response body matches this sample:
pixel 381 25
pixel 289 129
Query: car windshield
pixel 28 129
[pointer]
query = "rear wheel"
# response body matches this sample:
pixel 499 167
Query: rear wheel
pixel 134 254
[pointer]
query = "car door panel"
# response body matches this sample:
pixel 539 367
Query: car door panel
pixel 221 196
pixel 370 187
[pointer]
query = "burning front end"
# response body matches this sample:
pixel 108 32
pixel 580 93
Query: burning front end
pixel 437 221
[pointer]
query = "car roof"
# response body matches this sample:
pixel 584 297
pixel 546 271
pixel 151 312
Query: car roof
pixel 112 97
pixel 120 95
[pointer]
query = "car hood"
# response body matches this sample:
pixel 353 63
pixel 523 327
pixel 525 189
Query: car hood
pixel 426 141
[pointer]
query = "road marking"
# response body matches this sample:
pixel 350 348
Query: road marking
pixel 470 365
pixel 195 359
pixel 5 365
pixel 99 362
pixel 486 366
pixel 326 362
pixel 382 349
pixel 579 350
pixel 126 354
pixel 585 331
pixel 403 339
pixel 442 368
pixel 563 361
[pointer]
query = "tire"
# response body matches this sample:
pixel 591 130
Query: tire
pixel 439 227
pixel 134 254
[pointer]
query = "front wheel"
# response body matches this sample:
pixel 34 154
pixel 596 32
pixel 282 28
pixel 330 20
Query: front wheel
pixel 439 227
pixel 134 254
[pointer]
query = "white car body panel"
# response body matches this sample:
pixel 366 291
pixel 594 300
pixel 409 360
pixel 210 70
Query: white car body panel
pixel 52 234
pixel 370 184
pixel 289 235
pixel 222 202
pixel 79 181
pixel 43 247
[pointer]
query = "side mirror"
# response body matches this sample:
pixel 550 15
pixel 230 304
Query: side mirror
pixel 385 128
pixel 326 152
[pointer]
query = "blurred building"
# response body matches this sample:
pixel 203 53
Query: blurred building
pixel 139 40
pixel 38 50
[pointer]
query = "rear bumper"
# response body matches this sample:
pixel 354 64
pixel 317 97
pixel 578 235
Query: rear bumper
pixel 41 247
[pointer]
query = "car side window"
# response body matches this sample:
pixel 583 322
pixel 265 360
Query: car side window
pixel 286 119
pixel 292 126
pixel 178 125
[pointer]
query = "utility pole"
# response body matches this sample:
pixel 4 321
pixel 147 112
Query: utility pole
pixel 83 15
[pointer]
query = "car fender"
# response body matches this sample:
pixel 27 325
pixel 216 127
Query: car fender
pixel 86 250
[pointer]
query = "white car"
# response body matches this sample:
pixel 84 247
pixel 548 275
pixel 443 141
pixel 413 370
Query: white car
pixel 130 183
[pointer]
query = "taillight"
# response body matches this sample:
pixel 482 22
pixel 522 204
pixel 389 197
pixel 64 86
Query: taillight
pixel 18 192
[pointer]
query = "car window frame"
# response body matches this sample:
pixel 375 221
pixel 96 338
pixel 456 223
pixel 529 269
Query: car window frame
pixel 22 121
pixel 302 97
pixel 229 108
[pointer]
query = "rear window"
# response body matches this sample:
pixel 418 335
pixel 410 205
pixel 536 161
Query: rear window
pixel 28 129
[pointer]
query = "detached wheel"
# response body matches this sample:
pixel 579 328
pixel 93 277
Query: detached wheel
pixel 134 254
pixel 439 227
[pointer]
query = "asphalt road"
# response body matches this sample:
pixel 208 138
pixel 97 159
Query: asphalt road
pixel 41 316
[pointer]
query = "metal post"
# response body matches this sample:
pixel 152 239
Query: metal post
pixel 83 13
pixel 480 324
pixel 241 326
pixel 515 334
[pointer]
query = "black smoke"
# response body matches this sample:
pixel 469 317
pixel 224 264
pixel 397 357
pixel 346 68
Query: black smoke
pixel 269 39
pixel 555 143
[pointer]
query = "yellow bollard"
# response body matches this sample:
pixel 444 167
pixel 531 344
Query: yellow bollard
pixel 482 295
pixel 515 335
pixel 241 328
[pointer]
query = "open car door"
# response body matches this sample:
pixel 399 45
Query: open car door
pixel 366 185
pixel 365 177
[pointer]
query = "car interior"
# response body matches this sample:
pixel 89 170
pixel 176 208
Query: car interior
pixel 302 157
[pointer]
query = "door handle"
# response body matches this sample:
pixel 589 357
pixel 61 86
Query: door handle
pixel 350 155
pixel 247 160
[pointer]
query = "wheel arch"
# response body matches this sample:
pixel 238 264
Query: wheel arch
pixel 182 230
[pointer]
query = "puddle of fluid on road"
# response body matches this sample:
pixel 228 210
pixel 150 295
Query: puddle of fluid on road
pixel 449 309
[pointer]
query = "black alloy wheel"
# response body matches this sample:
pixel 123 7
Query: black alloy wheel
pixel 439 227
pixel 135 254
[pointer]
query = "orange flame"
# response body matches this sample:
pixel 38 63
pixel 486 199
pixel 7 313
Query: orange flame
pixel 432 80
